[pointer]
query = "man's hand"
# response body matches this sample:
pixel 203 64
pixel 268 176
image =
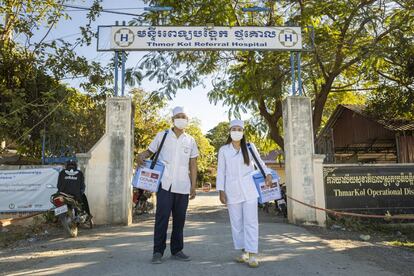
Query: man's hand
pixel 141 158
pixel 223 199
pixel 192 193
pixel 269 179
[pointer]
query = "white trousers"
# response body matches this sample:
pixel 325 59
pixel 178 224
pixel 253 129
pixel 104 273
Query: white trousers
pixel 245 225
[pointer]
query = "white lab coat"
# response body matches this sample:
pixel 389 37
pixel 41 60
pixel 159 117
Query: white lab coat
pixel 234 177
pixel 175 155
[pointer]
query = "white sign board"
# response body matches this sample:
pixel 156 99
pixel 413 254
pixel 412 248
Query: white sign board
pixel 144 38
pixel 27 190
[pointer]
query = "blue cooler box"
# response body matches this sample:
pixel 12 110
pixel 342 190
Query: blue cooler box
pixel 159 167
pixel 266 194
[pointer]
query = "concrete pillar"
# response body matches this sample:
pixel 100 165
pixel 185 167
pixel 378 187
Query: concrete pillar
pixel 299 151
pixel 108 166
pixel 319 188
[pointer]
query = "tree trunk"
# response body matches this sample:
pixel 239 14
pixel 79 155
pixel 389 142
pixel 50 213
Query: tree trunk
pixel 272 121
pixel 320 101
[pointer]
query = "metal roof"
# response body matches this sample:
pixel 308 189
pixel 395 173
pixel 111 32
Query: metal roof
pixel 393 125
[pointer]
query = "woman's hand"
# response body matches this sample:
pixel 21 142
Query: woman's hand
pixel 269 180
pixel 141 158
pixel 223 199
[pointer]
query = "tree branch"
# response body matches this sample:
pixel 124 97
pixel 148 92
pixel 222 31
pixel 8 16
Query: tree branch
pixel 272 120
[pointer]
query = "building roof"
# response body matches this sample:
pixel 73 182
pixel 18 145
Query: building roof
pixel 352 134
pixel 393 125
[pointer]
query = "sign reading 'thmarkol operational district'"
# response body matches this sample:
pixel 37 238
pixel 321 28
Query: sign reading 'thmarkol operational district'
pixel 205 38
pixel 370 189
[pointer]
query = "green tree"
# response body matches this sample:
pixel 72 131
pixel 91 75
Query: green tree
pixel 393 73
pixel 346 36
pixel 345 97
pixel 76 124
pixel 218 135
pixel 206 161
pixel 147 119
pixel 32 99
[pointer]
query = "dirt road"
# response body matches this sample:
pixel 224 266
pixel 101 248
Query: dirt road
pixel 285 250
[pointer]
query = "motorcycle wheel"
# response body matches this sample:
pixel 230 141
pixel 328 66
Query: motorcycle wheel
pixel 283 208
pixel 91 223
pixel 69 226
pixel 139 208
pixel 74 230
pixel 150 206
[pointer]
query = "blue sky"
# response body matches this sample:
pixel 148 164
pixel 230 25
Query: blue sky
pixel 195 101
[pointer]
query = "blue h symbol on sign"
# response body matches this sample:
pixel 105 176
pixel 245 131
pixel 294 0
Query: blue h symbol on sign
pixel 289 37
pixel 124 37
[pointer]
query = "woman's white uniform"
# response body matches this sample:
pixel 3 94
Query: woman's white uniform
pixel 234 177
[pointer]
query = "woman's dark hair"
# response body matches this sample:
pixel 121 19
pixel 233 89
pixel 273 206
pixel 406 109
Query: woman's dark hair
pixel 243 146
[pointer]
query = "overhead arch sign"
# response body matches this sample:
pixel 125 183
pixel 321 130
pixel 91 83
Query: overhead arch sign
pixel 147 38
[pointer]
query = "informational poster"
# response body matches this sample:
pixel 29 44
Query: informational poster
pixel 370 189
pixel 27 190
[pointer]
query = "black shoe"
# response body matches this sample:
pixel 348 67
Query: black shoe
pixel 156 258
pixel 180 256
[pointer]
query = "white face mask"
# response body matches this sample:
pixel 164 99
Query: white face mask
pixel 236 135
pixel 180 123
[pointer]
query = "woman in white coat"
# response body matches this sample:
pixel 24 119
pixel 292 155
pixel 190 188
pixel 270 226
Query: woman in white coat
pixel 238 192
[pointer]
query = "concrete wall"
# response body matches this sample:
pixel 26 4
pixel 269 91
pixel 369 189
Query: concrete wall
pixel 319 188
pixel 108 166
pixel 299 152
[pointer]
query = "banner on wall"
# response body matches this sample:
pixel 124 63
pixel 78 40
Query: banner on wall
pixel 27 190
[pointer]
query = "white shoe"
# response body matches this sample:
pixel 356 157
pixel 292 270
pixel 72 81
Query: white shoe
pixel 243 258
pixel 253 262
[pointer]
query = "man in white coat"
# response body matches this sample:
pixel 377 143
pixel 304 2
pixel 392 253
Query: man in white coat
pixel 178 185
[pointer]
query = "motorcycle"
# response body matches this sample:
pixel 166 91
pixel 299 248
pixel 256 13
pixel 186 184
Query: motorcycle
pixel 282 203
pixel 70 213
pixel 140 199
